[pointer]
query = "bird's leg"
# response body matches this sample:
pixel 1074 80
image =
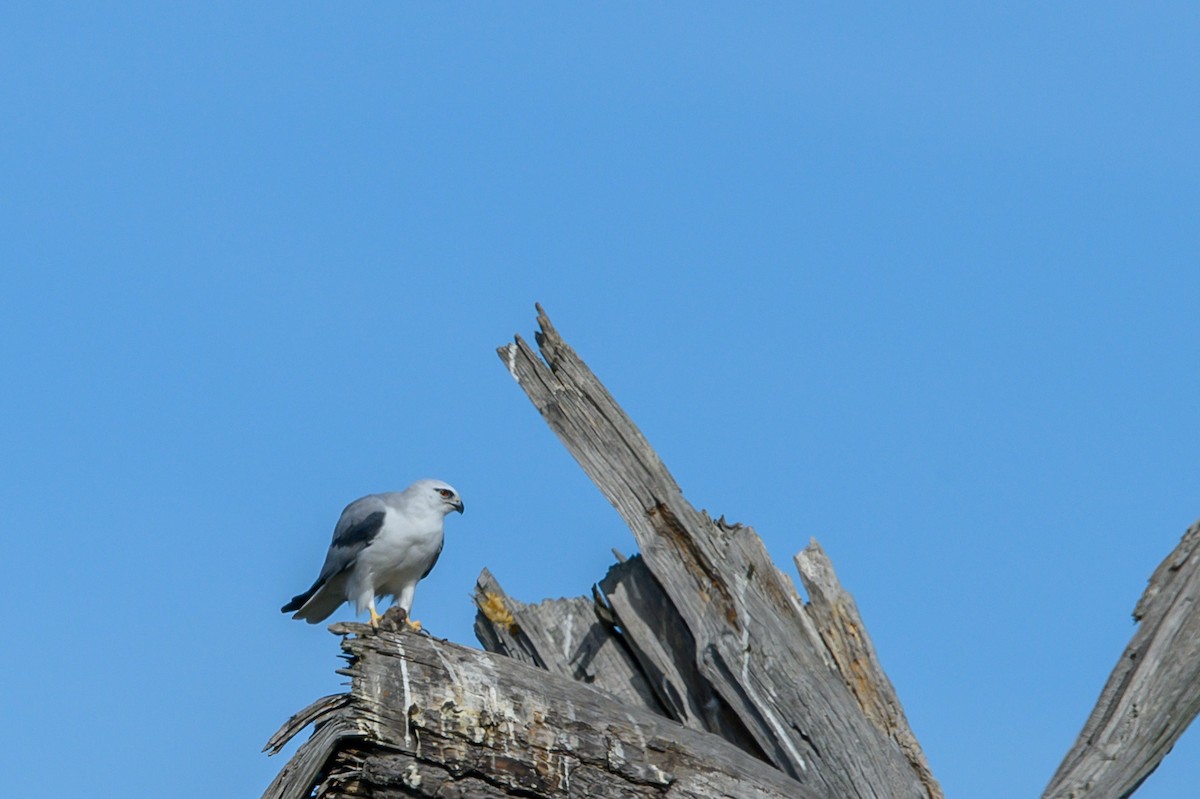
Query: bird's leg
pixel 413 624
pixel 375 617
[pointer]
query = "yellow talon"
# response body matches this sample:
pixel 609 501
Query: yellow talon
pixel 415 625
pixel 375 617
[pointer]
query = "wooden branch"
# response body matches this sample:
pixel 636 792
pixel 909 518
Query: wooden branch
pixel 333 728
pixel 563 636
pixel 1153 693
pixel 666 652
pixel 627 639
pixel 662 647
pixel 836 616
pixel 428 718
pixel 694 670
pixel 754 642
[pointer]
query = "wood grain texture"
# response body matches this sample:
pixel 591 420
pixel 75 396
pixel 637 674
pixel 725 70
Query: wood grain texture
pixel 334 727
pixel 666 652
pixel 1153 693
pixel 428 718
pixel 754 642
pixel 835 614
pixel 692 670
pixel 563 636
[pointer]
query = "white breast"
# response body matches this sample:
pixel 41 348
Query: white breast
pixel 401 552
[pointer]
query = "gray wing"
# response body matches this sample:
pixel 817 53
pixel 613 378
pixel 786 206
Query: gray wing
pixel 357 527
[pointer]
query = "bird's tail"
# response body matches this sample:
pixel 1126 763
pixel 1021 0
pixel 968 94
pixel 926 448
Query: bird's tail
pixel 319 602
pixel 299 599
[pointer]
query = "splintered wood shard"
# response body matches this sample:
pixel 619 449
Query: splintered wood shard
pixel 1153 693
pixel 692 671
pixel 836 617
pixel 750 642
pixel 563 636
pixel 428 718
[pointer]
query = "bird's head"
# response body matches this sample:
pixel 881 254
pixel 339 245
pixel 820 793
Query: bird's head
pixel 439 495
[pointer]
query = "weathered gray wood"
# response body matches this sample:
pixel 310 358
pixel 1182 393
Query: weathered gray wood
pixel 755 644
pixel 563 636
pixel 702 629
pixel 641 610
pixel 1153 693
pixel 434 718
pixel 497 626
pixel 333 729
pixel 640 653
pixel 666 652
pixel 835 614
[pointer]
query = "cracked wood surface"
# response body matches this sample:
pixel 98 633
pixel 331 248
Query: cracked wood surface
pixel 563 636
pixel 836 617
pixel 755 644
pixel 633 642
pixel 689 669
pixel 428 718
pixel 1153 693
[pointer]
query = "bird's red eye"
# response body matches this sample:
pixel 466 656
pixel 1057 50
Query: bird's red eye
pixel 445 492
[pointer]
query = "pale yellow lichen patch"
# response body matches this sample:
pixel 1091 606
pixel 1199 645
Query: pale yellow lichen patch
pixel 497 612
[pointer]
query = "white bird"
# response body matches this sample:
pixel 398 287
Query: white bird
pixel 383 545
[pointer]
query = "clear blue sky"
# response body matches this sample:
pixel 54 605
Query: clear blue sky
pixel 921 283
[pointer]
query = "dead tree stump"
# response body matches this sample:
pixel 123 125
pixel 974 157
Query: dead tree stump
pixel 692 670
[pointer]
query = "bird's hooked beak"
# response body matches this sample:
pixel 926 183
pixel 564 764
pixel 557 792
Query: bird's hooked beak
pixel 459 506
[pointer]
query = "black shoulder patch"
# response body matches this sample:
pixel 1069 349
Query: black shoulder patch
pixel 361 534
pixel 433 562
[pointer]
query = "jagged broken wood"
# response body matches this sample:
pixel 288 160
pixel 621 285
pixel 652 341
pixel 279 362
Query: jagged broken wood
pixel 563 636
pixel 753 644
pixel 696 660
pixel 430 718
pixel 625 639
pixel 692 670
pixel 1153 693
